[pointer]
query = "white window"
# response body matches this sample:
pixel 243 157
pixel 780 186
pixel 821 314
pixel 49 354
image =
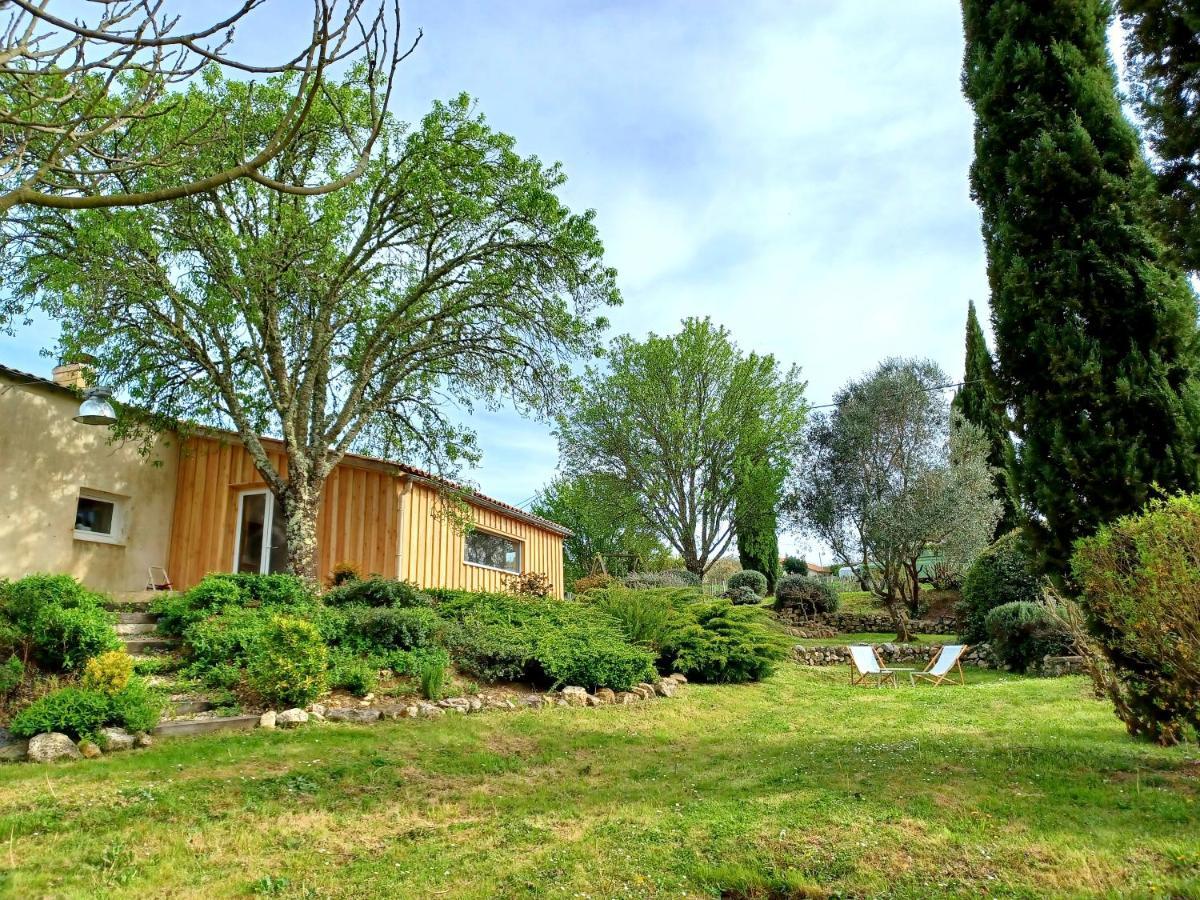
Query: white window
pixel 99 517
pixel 493 551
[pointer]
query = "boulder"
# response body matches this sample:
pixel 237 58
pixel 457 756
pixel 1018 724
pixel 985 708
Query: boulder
pixel 115 740
pixel 574 695
pixel 645 690
pixel 666 688
pixel 141 739
pixel 605 695
pixel 456 704
pixel 429 711
pixel 291 718
pixel 352 714
pixel 267 720
pixel 317 711
pixel 678 677
pixel 476 704
pixel 89 750
pixel 12 749
pixel 534 701
pixel 625 698
pixel 51 746
pixel 594 700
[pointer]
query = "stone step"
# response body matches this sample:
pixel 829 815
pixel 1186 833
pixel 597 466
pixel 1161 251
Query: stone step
pixel 204 726
pixel 137 618
pixel 133 628
pixel 136 645
pixel 132 604
pixel 191 707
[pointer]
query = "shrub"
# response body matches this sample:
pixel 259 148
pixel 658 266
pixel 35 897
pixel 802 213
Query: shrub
pixel 643 616
pixel 224 639
pixel 720 643
pixel 667 578
pixel 756 581
pixel 219 593
pixel 742 595
pixel 288 661
pixel 353 674
pixel 369 629
pixel 12 673
pixel 79 713
pixel 222 675
pixel 1021 633
pixel 136 707
pixel 490 651
pixel 377 592
pixel 1140 583
pixel 108 673
pixel 1003 573
pixel 808 595
pixel 795 565
pixel 26 598
pixel 529 584
pixel 344 573
pixel 65 638
pixel 593 582
pixel 432 675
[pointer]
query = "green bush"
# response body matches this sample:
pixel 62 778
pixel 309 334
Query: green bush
pixel 370 629
pixel 176 612
pixel 808 595
pixel 720 643
pixel 644 616
pixel 1002 574
pixel 12 673
pixel 108 673
pixel 376 592
pixel 756 581
pixel 1021 633
pixel 352 673
pixel 81 713
pixel 490 651
pixel 742 596
pixel 795 565
pixel 24 599
pixel 224 639
pixel 665 579
pixel 432 676
pixel 1140 583
pixel 288 661
pixel 63 622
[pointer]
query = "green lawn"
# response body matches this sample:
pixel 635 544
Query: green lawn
pixel 1009 786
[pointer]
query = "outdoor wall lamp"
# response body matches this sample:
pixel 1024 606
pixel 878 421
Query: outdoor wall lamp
pixel 95 408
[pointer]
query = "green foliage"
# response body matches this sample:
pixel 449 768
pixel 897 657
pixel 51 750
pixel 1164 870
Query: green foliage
pixel 224 639
pixel 668 578
pixel 352 673
pixel 757 491
pixel 749 578
pixel 377 592
pixel 592 582
pixel 344 573
pixel 1002 574
pixel 366 629
pixel 12 673
pixel 1140 581
pixel 808 595
pixel 668 417
pixel 219 593
pixel 431 674
pixel 1021 633
pixel 63 622
pixel 108 673
pixel 720 643
pixel 1095 331
pixel 288 661
pixel 644 616
pixel 24 600
pixel 78 712
pixel 977 401
pixel 795 565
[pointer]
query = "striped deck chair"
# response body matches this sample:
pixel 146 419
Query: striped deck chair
pixel 865 664
pixel 939 670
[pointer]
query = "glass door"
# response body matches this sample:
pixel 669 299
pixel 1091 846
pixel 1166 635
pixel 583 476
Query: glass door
pixel 261 539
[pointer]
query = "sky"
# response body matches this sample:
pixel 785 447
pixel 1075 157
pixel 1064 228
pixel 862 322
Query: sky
pixel 797 171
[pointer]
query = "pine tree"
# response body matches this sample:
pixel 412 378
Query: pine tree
pixel 758 486
pixel 1095 333
pixel 977 403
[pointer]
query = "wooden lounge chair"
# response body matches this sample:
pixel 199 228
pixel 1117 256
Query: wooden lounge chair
pixel 865 664
pixel 942 667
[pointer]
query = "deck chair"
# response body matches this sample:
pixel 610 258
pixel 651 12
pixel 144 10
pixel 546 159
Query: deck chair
pixel 942 667
pixel 865 664
pixel 154 583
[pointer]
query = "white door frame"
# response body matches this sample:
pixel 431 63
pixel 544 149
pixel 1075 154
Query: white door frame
pixel 264 563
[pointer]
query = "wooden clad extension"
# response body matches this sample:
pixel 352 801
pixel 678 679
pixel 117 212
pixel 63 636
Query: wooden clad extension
pixel 384 520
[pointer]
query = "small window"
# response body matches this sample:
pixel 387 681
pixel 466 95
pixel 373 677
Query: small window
pixel 493 551
pixel 98 517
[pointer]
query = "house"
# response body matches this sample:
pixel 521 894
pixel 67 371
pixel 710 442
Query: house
pixel 72 502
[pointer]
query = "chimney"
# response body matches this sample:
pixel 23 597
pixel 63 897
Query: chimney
pixel 70 375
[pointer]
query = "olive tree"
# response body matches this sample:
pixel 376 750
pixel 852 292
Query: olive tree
pixel 889 475
pixel 449 273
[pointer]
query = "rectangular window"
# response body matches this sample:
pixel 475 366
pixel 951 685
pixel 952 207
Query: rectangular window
pixel 98 517
pixel 493 551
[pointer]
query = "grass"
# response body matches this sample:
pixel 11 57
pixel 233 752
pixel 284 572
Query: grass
pixel 794 787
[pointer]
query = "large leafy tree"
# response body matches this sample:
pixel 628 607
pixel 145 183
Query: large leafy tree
pixel 978 403
pixel 670 417
pixel 605 523
pixel 1163 51
pixel 1095 333
pixel 450 272
pixel 889 475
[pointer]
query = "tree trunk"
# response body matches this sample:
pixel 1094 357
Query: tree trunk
pixel 895 607
pixel 300 506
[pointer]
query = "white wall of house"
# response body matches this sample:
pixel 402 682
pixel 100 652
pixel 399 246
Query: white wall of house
pixel 46 462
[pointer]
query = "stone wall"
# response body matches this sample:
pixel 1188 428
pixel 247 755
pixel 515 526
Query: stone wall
pixel 897 654
pixel 850 623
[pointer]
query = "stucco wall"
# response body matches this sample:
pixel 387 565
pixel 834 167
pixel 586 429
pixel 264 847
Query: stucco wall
pixel 45 458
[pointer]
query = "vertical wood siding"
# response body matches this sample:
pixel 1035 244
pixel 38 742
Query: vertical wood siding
pixel 369 517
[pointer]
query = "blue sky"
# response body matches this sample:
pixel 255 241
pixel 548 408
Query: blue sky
pixel 796 171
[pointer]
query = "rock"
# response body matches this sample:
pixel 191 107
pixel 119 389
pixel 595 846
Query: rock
pixel 625 698
pixel 606 695
pixel 291 718
pixel 666 688
pixel 645 690
pixel 574 695
pixel 411 712
pixel 115 740
pixel 370 695
pixel 267 720
pixel 318 711
pixel 456 704
pixel 534 701
pixel 51 746
pixel 317 716
pixel 352 714
pixel 429 711
pixel 476 704
pixel 89 750
pixel 141 740
pixel 595 700
pixel 678 677
pixel 12 749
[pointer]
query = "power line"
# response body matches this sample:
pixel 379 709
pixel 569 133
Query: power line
pixel 936 387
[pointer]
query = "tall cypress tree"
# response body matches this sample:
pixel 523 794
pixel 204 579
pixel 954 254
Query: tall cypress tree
pixel 977 403
pixel 1095 333
pixel 758 486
